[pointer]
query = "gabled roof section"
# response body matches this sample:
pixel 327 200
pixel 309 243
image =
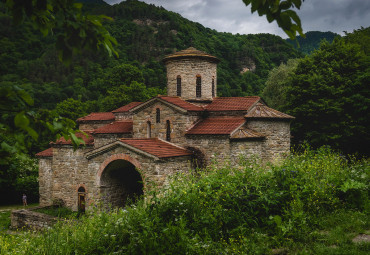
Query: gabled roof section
pixel 97 116
pixel 46 153
pixel 117 127
pixel 246 133
pixel 127 107
pixel 216 126
pixel 263 111
pixel 232 103
pixel 89 139
pixel 175 102
pixel 157 147
pixel 190 53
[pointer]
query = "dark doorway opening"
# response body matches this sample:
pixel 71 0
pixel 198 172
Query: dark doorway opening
pixel 120 184
pixel 81 199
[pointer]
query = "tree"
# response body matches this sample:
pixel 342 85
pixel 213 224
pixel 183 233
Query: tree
pixel 330 97
pixel 280 11
pixel 278 81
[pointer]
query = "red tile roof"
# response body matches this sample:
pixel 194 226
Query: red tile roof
pixel 89 140
pixel 190 53
pixel 117 127
pixel 216 126
pixel 245 133
pixel 156 147
pixel 96 116
pixel 45 153
pixel 127 107
pixel 232 103
pixel 263 111
pixel 181 103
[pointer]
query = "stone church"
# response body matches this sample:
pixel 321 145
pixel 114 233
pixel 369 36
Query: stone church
pixel 132 147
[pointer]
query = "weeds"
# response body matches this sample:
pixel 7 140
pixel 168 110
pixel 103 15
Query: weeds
pixel 308 204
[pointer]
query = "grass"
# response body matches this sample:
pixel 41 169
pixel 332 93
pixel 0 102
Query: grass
pixel 5 211
pixel 57 211
pixel 315 202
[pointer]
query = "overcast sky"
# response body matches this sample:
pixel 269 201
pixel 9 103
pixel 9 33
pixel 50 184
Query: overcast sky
pixel 234 17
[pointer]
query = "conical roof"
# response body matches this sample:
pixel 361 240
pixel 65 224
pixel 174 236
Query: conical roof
pixel 191 53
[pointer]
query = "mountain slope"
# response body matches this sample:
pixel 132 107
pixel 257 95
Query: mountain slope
pixel 312 41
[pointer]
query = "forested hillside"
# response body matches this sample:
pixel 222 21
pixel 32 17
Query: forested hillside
pixel 96 82
pixel 312 41
pixel 145 34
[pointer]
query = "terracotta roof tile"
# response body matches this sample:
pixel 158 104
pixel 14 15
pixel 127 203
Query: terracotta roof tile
pixel 156 147
pixel 127 107
pixel 46 153
pixel 263 111
pixel 216 126
pixel 246 133
pixel 117 127
pixel 181 103
pixel 96 116
pixel 190 53
pixel 89 140
pixel 232 103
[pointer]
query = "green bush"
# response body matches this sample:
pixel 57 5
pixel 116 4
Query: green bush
pixel 245 210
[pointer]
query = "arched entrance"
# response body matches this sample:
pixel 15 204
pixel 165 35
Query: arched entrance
pixel 120 183
pixel 81 199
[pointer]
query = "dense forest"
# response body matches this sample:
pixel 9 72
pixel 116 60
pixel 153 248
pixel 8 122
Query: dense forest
pixel 311 41
pixel 331 80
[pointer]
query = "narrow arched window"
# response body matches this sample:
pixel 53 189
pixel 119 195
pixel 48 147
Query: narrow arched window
pixel 158 115
pixel 178 88
pixel 168 130
pixel 149 129
pixel 199 86
pixel 213 87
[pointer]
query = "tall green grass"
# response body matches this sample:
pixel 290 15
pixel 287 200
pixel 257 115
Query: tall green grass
pixel 306 205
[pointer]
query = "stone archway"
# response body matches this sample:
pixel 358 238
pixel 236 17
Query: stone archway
pixel 120 181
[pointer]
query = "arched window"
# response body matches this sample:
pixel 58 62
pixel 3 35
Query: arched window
pixel 178 88
pixel 149 129
pixel 213 87
pixel 168 130
pixel 158 115
pixel 199 86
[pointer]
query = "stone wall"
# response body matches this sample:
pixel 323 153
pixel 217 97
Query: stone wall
pixel 216 148
pixel 245 149
pixel 31 220
pixel 123 115
pixel 45 180
pixel 69 173
pixel 179 122
pixel 277 132
pixel 188 69
pixel 91 125
pixel 103 139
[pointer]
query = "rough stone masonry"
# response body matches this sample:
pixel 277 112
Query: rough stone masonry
pixel 137 146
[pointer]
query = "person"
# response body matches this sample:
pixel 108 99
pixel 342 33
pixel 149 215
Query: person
pixel 24 199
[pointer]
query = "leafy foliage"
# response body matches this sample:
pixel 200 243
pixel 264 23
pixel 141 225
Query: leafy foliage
pixel 281 12
pixel 329 96
pixel 251 209
pixel 311 41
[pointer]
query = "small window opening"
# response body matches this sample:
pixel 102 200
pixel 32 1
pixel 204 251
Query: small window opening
pixel 213 87
pixel 158 116
pixel 178 88
pixel 199 86
pixel 149 129
pixel 168 130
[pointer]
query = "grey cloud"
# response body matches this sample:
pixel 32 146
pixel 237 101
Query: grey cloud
pixel 233 16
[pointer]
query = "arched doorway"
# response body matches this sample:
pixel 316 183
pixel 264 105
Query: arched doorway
pixel 120 183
